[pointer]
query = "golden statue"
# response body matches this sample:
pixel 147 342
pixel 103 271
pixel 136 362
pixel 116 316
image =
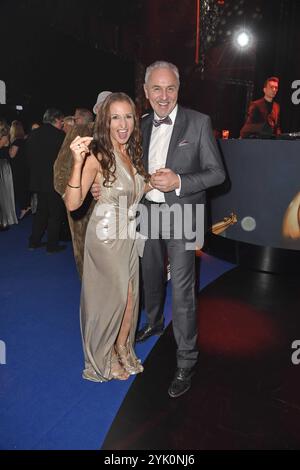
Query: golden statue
pixel 220 227
pixel 291 219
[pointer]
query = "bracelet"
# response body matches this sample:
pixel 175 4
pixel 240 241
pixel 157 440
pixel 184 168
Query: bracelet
pixel 75 187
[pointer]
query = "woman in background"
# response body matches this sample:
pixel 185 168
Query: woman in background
pixel 7 200
pixel 62 169
pixel 19 167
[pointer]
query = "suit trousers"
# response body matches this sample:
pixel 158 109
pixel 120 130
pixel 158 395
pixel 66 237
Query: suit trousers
pixel 48 216
pixel 158 248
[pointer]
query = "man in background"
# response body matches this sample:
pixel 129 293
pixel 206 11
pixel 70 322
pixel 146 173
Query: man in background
pixel 42 147
pixel 263 114
pixel 83 116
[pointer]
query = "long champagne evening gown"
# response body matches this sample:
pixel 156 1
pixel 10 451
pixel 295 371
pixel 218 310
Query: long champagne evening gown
pixel 110 265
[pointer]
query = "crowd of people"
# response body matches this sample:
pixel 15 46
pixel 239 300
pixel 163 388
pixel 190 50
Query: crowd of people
pixel 7 198
pixel 168 159
pixel 14 174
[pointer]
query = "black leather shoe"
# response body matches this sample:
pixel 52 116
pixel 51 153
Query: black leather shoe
pixel 34 246
pixel 181 382
pixel 56 249
pixel 148 331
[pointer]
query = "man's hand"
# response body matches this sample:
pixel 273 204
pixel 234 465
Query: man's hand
pixel 165 180
pixel 95 190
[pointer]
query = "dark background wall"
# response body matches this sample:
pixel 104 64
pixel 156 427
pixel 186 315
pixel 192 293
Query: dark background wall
pixel 63 52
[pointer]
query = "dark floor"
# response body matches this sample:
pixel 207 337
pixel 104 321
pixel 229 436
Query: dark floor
pixel 246 391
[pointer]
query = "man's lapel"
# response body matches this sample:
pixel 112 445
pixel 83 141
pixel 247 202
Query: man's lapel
pixel 146 132
pixel 178 131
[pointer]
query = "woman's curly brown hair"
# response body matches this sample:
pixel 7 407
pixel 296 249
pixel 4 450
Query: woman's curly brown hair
pixel 102 147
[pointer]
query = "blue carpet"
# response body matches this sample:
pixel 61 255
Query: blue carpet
pixel 44 403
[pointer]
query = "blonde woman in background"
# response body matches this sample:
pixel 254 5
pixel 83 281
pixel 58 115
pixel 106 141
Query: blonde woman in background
pixel 69 123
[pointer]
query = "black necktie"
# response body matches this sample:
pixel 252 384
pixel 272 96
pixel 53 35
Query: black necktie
pixel 158 122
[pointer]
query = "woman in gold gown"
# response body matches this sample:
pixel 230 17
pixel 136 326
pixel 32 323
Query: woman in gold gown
pixel 110 283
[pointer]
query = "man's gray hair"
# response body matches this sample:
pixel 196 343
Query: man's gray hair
pixel 85 114
pixel 51 115
pixel 161 64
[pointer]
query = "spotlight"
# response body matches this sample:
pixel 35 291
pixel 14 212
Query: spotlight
pixel 243 39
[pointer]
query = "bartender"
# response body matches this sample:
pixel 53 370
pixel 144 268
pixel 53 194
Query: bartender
pixel 263 114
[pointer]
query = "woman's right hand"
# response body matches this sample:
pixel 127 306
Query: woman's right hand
pixel 80 148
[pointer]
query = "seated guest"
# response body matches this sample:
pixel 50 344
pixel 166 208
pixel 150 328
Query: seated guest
pixel 263 114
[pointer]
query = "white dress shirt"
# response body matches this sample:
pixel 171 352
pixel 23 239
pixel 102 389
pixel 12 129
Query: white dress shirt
pixel 158 151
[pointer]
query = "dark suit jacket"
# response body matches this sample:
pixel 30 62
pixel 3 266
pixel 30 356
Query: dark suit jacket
pixel 42 147
pixel 192 153
pixel 260 121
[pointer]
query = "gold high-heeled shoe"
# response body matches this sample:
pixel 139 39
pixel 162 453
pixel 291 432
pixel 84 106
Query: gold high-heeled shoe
pixel 117 371
pixel 130 364
pixel 90 374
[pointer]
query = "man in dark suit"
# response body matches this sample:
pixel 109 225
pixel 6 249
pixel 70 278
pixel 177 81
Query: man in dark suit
pixel 263 114
pixel 42 148
pixel 181 154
